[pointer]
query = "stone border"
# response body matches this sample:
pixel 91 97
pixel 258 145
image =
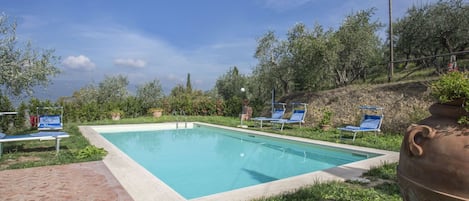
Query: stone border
pixel 142 185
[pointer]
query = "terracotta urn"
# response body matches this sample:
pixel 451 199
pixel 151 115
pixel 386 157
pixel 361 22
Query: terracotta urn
pixel 434 157
pixel 157 114
pixel 115 116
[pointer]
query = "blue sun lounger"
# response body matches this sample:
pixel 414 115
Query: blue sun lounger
pixel 369 122
pixel 277 114
pixel 297 117
pixel 43 135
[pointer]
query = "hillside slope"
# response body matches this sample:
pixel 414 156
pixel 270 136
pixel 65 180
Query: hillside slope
pixel 404 103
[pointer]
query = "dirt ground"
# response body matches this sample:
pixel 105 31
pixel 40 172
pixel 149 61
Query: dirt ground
pixel 403 102
pixel 78 181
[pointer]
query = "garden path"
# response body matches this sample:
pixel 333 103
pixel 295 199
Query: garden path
pixel 77 181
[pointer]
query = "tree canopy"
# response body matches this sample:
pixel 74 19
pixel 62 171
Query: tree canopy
pixel 314 59
pixel 22 66
pixel 433 29
pixel 317 59
pixel 306 59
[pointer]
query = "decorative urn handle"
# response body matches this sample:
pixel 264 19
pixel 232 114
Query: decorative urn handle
pixel 417 135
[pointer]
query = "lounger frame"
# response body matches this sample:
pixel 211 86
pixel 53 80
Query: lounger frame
pixel 364 125
pixel 43 135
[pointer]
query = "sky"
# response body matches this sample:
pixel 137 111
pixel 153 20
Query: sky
pixel 146 40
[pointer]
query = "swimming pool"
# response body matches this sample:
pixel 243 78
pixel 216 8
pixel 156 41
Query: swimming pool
pixel 205 160
pixel 242 161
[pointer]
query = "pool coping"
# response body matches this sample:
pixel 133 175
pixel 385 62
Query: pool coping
pixel 142 185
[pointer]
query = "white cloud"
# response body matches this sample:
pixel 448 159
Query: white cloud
pixel 79 63
pixel 136 63
pixel 156 58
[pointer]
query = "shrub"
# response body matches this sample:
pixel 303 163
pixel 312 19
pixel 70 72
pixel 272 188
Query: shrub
pixel 91 152
pixel 452 86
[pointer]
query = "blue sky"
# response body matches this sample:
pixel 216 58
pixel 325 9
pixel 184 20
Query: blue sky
pixel 166 40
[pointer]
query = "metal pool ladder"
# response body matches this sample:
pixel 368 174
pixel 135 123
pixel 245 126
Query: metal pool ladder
pixel 181 112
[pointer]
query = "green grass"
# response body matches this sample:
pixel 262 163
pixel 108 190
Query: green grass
pixel 340 191
pixel 77 149
pixel 24 154
pixel 388 141
pixel 385 171
pixel 383 186
pixel 410 74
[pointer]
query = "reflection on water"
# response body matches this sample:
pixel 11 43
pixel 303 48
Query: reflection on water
pixel 262 178
pixel 205 160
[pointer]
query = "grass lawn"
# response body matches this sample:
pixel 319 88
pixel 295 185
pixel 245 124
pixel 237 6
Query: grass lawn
pixel 76 149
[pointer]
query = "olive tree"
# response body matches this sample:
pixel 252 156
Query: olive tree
pixel 22 66
pixel 83 105
pixel 274 69
pixel 229 88
pixel 360 47
pixel 113 89
pixel 433 29
pixel 150 95
pixel 313 56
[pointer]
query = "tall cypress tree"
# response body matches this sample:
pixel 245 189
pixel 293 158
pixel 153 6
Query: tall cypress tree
pixel 188 83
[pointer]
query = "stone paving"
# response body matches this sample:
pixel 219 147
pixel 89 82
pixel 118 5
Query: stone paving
pixel 78 181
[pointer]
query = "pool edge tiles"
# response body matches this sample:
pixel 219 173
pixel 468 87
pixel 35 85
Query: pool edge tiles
pixel 139 127
pixel 142 185
pixel 136 180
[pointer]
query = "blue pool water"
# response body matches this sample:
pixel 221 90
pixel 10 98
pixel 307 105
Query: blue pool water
pixel 204 160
